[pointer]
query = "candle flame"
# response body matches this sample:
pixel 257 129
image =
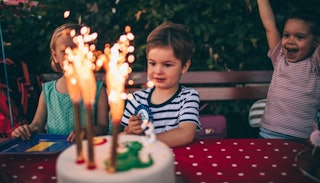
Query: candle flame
pixel 79 66
pixel 117 70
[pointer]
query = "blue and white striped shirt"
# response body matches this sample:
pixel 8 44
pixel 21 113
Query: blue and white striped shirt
pixel 183 106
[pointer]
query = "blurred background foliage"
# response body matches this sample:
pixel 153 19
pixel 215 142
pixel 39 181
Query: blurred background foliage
pixel 228 34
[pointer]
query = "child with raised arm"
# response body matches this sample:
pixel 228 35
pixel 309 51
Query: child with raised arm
pixel 171 108
pixel 294 93
pixel 55 109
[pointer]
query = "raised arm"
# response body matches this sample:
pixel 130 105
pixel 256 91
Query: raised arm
pixel 269 23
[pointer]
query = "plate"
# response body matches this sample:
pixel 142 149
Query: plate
pixel 300 159
pixel 38 144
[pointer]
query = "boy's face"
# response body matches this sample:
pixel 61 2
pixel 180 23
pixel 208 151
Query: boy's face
pixel 164 69
pixel 297 41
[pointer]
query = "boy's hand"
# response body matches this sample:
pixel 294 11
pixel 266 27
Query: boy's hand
pixel 134 126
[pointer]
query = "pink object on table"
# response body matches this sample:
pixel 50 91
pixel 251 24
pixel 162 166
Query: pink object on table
pixel 315 136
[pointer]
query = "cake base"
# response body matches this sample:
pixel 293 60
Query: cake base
pixel 162 169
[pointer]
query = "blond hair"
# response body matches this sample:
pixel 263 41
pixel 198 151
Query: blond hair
pixel 59 31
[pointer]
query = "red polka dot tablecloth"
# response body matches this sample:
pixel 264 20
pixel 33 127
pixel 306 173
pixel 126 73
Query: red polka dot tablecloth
pixel 239 160
pixel 28 168
pixel 205 161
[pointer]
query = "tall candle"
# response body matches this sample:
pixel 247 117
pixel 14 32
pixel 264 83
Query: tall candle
pixel 88 88
pixel 75 96
pixel 82 59
pixel 117 70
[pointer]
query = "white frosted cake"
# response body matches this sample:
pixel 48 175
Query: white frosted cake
pixel 160 170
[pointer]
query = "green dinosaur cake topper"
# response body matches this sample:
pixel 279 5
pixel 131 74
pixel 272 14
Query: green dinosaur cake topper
pixel 130 159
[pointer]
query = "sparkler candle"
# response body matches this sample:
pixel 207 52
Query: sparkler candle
pixel 75 95
pixel 117 70
pixel 82 58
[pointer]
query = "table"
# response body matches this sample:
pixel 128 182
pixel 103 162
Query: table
pixel 239 160
pixel 210 160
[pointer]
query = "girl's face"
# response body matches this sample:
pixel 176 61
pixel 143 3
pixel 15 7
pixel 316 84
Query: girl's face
pixel 297 41
pixel 164 69
pixel 61 44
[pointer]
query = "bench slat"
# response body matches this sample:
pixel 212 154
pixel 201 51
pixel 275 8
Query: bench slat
pixel 241 85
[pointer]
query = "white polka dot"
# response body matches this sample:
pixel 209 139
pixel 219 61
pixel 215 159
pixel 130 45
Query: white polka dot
pixel 262 173
pixel 219 173
pixel 285 157
pixel 194 164
pixel 34 177
pixel 205 149
pixel 269 143
pixel 294 150
pixel 209 156
pixel 228 157
pixel 223 149
pixel 240 174
pixel 21 166
pixel 188 148
pixel 218 142
pixel 178 173
pixel 175 163
pixel 276 150
pixel 234 165
pixel 258 150
pixel 199 173
pixel 46 159
pixel 14 176
pixel 201 142
pixel 235 143
pixel 274 165
pixel 247 157
pixel 214 164
pixel 294 164
pixel 286 143
pixel 252 143
pixel 284 173
pixel 3 165
pixel 191 156
pixel 40 167
pixel 254 165
pixel 54 178
pixel 241 150
pixel 265 157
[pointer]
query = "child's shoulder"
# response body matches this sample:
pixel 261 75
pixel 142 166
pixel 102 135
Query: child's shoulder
pixel 185 89
pixel 49 84
pixel 189 92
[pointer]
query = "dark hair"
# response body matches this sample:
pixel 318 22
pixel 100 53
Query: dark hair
pixel 174 35
pixel 309 17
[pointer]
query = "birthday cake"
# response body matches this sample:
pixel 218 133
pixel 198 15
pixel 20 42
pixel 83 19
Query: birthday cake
pixel 139 161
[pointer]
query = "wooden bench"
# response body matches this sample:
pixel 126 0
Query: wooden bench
pixel 211 85
pixel 219 88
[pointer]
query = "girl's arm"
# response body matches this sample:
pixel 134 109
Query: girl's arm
pixel 102 127
pixel 182 135
pixel 269 23
pixel 37 123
